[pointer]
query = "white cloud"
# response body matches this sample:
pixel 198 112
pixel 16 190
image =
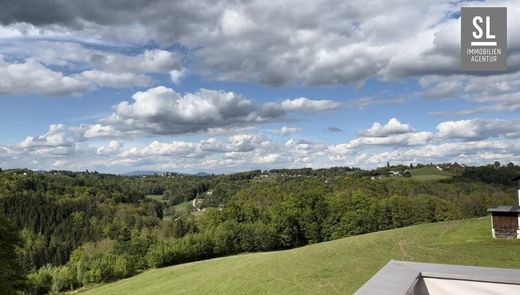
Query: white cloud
pixel 76 56
pixel 115 80
pixel 98 130
pixel 367 101
pixel 244 142
pixel 176 76
pixel 162 111
pixel 55 137
pixel 31 77
pixel 70 55
pixel 113 147
pixel 393 126
pixel 425 147
pixel 212 145
pixel 395 140
pixel 304 151
pixel 87 69
pixel 156 148
pixel 399 142
pixel 289 130
pixel 303 104
pixel 319 42
pixel 268 159
pixel 437 87
pixel 243 150
pixel 58 142
pixel 412 138
pixel 58 149
pixel 325 42
pixel 392 134
pixel 470 153
pixel 479 129
pixel 150 61
pixel 495 93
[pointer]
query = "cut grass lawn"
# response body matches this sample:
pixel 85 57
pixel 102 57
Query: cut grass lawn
pixel 158 198
pixel 335 267
pixel 429 173
pixel 184 207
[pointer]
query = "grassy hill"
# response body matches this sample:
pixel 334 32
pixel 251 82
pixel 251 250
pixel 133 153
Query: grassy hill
pixel 184 207
pixel 158 198
pixel 336 267
pixel 429 173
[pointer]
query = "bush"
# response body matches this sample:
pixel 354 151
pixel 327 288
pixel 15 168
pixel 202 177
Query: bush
pixel 159 255
pixel 40 281
pixel 233 237
pixel 189 248
pixel 64 278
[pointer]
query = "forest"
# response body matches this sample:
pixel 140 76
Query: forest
pixel 62 230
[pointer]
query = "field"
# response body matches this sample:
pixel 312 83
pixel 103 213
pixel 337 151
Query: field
pixel 429 173
pixel 158 198
pixel 336 267
pixel 186 207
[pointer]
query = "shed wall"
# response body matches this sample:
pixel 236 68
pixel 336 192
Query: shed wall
pixel 502 221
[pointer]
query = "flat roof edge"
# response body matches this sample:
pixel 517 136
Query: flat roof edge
pixel 505 209
pixel 400 277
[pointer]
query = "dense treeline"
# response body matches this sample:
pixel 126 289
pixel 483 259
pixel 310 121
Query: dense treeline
pixel 11 275
pixel 53 227
pixel 82 228
pixel 493 174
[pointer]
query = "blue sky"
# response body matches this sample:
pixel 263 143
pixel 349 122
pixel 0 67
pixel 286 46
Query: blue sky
pixel 222 87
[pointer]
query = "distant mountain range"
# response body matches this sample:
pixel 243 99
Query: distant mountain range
pixel 143 173
pixel 202 174
pixel 151 173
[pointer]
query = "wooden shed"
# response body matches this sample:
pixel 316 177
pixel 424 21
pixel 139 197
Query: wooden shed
pixel 504 222
pixel 505 219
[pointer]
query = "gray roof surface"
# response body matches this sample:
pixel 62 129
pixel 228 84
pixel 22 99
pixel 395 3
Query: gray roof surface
pixel 400 277
pixel 505 209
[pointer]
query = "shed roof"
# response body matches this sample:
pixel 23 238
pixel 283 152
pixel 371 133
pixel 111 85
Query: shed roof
pixel 512 209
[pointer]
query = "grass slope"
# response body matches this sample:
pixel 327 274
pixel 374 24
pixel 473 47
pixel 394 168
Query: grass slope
pixel 336 267
pixel 158 198
pixel 184 207
pixel 429 173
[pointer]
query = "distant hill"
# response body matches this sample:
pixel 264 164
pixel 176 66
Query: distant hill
pixel 143 173
pixel 336 267
pixel 202 174
pixel 151 173
pixel 430 173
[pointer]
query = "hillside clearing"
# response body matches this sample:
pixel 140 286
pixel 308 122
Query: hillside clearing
pixel 158 198
pixel 429 173
pixel 335 267
pixel 184 207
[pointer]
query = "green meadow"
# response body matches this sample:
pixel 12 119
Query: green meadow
pixel 158 198
pixel 429 173
pixel 335 267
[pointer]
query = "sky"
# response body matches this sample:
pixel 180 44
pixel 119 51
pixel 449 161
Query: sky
pixel 224 86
